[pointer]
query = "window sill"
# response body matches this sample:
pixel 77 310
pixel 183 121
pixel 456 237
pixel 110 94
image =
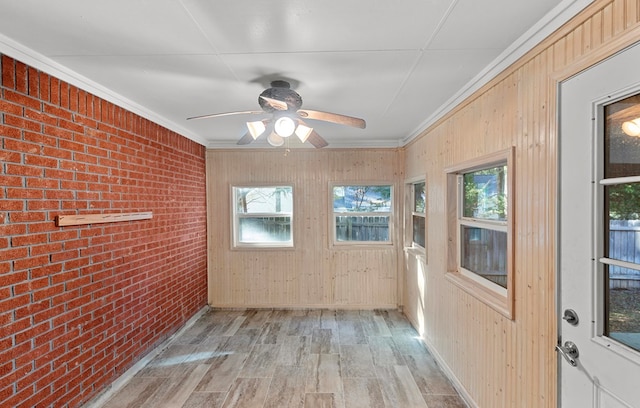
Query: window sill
pixel 499 303
pixel 417 252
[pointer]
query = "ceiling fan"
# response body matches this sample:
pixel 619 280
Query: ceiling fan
pixel 283 103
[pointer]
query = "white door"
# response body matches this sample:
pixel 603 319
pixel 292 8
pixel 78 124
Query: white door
pixel 599 245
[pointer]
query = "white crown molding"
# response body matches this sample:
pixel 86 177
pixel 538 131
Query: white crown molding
pixel 359 144
pixel 560 14
pixel 40 62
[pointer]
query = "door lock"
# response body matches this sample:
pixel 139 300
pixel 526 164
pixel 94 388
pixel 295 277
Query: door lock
pixel 569 351
pixel 571 317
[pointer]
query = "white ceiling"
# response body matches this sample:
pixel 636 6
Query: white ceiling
pixel 397 64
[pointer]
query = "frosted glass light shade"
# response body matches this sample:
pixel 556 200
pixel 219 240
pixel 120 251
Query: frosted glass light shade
pixel 275 140
pixel 256 128
pixel 284 126
pixel 303 132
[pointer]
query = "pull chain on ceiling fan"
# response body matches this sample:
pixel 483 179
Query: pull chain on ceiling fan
pixel 284 104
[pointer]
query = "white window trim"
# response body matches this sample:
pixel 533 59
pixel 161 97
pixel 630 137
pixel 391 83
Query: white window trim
pixel 359 244
pixel 494 295
pixel 236 217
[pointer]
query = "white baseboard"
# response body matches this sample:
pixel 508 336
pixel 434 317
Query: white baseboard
pixel 444 367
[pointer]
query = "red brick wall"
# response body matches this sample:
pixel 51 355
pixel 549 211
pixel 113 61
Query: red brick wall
pixel 79 305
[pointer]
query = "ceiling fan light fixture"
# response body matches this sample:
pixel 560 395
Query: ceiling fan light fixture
pixel 632 127
pixel 284 126
pixel 303 132
pixel 275 140
pixel 256 128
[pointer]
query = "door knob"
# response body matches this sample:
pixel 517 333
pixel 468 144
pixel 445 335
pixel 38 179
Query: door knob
pixel 569 351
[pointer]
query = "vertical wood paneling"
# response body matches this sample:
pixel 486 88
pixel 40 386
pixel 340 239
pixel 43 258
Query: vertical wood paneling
pixel 313 274
pixel 501 362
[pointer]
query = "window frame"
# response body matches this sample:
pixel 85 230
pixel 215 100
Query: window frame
pixel 236 216
pixel 410 213
pixel 390 214
pixel 494 295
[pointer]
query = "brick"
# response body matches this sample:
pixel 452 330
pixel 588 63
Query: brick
pixel 73 185
pixel 40 117
pixel 40 161
pixel 76 263
pixel 55 91
pixel 63 235
pixel 24 193
pixel 34 83
pixel 65 297
pixel 31 239
pixel 73 146
pixel 58 112
pixel 11 108
pixel 87 123
pixel 47 292
pixel 85 158
pixel 45 270
pixel 43 205
pixel 10 132
pixel 69 125
pixel 20 170
pixel 14 253
pixel 57 153
pixel 21 77
pixel 91 178
pixel 36 250
pixel 74 205
pixel 59 195
pixel 31 262
pixel 58 174
pixel 43 183
pixel 12 229
pixel 57 132
pixel 8 279
pixel 46 226
pixel 8 72
pixel 10 181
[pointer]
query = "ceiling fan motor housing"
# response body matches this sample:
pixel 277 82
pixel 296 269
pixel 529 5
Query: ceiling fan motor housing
pixel 280 90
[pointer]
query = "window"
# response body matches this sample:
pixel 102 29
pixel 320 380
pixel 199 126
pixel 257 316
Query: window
pixel 418 224
pixel 480 236
pixel 362 214
pixel 262 216
pixel 619 234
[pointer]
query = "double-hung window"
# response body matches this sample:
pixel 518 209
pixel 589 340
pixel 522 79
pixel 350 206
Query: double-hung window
pixel 418 219
pixel 480 236
pixel 362 214
pixel 262 216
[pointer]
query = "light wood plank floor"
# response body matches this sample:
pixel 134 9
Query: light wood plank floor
pixel 292 358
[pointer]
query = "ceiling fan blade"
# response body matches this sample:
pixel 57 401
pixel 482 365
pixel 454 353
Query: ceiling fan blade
pixel 316 140
pixel 332 117
pixel 246 139
pixel 275 103
pixel 216 115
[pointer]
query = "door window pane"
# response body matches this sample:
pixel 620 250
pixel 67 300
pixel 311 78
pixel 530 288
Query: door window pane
pixel 621 201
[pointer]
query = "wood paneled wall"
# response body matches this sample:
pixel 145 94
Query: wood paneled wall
pixel 312 274
pixel 500 362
